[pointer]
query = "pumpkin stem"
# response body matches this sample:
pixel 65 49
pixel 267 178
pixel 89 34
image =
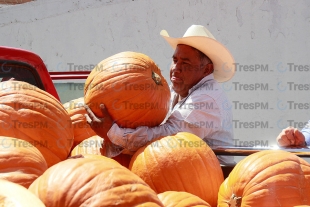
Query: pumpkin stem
pixel 235 201
pixel 156 78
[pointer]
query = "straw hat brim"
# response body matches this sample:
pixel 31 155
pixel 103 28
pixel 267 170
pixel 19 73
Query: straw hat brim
pixel 223 61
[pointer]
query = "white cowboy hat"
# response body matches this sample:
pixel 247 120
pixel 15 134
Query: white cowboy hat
pixel 199 37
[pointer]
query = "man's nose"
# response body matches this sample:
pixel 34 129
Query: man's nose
pixel 175 67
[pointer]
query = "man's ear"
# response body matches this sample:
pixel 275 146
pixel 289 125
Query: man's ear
pixel 209 68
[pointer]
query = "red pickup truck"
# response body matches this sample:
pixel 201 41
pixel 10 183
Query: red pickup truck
pixel 27 66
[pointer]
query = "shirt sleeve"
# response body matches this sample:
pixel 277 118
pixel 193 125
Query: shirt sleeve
pixel 187 119
pixel 306 132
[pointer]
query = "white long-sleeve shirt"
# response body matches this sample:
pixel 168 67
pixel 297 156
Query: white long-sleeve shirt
pixel 205 112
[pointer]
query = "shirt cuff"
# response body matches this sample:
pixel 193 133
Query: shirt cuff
pixel 115 134
pixel 113 148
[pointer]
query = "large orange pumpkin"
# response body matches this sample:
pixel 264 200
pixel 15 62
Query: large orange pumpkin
pixel 182 162
pixel 267 178
pixel 92 182
pixel 305 167
pixel 33 115
pixel 12 194
pixel 81 129
pixel 132 88
pixel 181 199
pixel 93 146
pixel 20 161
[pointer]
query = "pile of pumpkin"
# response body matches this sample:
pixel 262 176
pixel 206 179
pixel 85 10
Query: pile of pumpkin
pixel 49 155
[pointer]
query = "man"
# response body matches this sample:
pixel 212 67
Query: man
pixel 293 137
pixel 198 103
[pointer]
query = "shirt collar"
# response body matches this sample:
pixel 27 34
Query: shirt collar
pixel 201 82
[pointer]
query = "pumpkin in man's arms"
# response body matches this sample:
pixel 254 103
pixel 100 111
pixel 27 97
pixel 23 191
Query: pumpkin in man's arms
pixel 132 88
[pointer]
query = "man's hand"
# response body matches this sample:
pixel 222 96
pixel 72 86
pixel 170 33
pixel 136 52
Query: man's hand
pixel 100 125
pixel 291 137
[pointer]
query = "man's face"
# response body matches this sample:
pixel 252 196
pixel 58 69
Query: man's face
pixel 186 69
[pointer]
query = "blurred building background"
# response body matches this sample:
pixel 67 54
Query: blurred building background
pixel 268 38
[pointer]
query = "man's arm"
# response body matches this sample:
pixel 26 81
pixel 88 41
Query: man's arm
pixel 192 121
pixel 201 121
pixel 133 139
pixel 185 120
pixel 101 126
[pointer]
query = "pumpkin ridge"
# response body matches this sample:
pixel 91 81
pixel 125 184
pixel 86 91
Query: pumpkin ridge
pixel 265 182
pixel 13 194
pixel 154 155
pixel 201 161
pixel 133 71
pixel 272 191
pixel 149 175
pixel 137 119
pixel 209 175
pixel 20 177
pixel 259 173
pixel 35 100
pixel 144 61
pixel 110 78
pixel 49 120
pixel 27 92
pixel 276 178
pixel 127 76
pixel 241 186
pixel 178 176
pixel 181 199
pixel 245 189
pixel 46 116
pixel 177 166
pixel 145 64
pixel 168 149
pixel 183 203
pixel 77 195
pixel 104 189
pixel 125 200
pixel 130 200
pixel 128 98
pixel 20 170
pixel 132 112
pixel 205 157
pixel 10 85
pixel 115 80
pixel 39 147
pixel 11 163
pixel 18 131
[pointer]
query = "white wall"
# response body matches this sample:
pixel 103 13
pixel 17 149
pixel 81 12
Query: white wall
pixel 267 34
